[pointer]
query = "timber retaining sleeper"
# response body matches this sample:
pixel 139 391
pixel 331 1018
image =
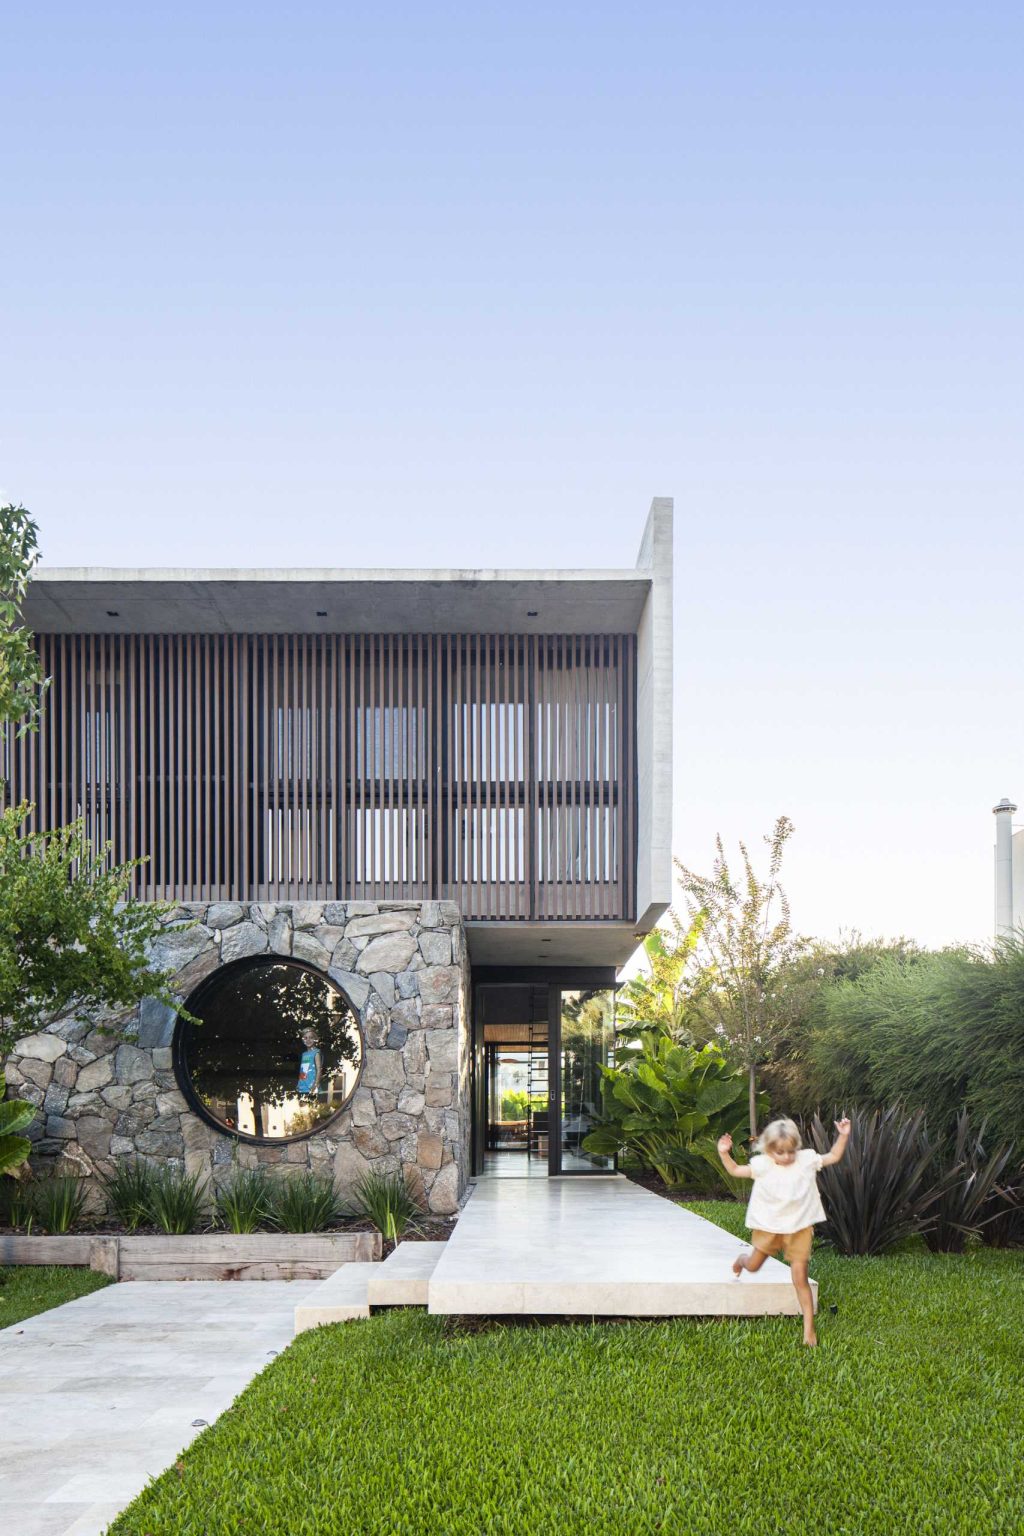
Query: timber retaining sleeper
pixel 200 1256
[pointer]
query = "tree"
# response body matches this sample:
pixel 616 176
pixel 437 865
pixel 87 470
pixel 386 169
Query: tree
pixel 22 684
pixel 71 935
pixel 658 995
pixel 737 986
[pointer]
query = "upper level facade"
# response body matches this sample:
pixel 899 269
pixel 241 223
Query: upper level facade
pixel 499 739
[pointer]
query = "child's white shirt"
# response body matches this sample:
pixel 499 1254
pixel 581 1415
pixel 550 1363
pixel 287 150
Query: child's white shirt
pixel 785 1196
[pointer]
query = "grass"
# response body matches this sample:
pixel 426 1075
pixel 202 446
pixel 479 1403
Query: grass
pixel 908 1417
pixel 26 1289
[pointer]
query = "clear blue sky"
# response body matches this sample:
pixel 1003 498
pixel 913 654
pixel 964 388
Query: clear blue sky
pixel 437 284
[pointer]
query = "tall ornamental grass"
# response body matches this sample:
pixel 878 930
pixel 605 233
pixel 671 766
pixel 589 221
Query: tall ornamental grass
pixel 936 1032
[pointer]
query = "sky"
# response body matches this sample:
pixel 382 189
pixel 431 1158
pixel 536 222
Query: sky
pixel 434 284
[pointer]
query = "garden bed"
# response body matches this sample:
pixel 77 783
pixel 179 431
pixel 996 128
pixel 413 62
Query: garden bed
pixel 199 1256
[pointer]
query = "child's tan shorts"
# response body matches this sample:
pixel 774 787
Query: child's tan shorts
pixel 794 1245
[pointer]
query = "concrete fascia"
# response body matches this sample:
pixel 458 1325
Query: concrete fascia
pixel 654 720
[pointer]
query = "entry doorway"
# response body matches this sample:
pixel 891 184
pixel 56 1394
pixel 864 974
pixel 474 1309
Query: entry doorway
pixel 538 1051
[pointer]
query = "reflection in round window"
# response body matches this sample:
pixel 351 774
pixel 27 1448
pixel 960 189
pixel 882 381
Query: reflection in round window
pixel 278 1051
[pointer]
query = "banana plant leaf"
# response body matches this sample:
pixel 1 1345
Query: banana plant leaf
pixel 15 1115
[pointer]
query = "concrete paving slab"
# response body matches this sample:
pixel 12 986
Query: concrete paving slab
pixel 402 1280
pixel 108 1387
pixel 596 1248
pixel 340 1299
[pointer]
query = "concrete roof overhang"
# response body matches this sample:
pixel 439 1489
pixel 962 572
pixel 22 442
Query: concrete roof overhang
pixel 551 943
pixel 92 601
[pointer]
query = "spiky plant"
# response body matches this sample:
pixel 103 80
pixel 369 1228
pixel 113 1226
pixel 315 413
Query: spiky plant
pixel 884 1190
pixel 968 1179
pixel 387 1201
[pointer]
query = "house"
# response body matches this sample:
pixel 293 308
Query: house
pixel 408 825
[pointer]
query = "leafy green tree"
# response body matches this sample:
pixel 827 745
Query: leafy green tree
pixel 22 683
pixel 738 987
pixel 658 995
pixel 70 935
pixel 794 1084
pixel 70 932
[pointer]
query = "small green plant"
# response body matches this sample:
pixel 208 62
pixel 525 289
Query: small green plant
pixel 387 1201
pixel 18 1210
pixel 244 1203
pixel 303 1202
pixel 176 1200
pixel 59 1204
pixel 129 1192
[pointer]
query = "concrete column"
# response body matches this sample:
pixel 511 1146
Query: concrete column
pixel 1003 813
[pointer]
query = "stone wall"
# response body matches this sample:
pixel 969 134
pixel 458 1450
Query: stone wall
pixel 107 1088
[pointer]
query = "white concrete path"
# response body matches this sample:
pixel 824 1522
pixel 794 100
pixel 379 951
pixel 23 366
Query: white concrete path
pixel 596 1247
pixel 100 1395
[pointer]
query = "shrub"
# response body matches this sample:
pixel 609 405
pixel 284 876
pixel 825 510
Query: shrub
pixel 244 1204
pixel 1003 1213
pixel 934 1031
pixel 129 1192
pixel 303 1202
pixel 387 1201
pixel 967 1180
pixel 663 1102
pixel 884 1189
pixel 176 1200
pixel 59 1204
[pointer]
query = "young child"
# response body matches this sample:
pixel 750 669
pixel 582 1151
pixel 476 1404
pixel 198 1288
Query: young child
pixel 784 1202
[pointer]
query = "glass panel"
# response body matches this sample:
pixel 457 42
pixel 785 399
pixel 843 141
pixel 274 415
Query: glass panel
pixel 588 1038
pixel 277 1053
pixel 513 1108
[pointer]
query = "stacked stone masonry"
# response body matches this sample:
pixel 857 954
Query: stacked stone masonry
pixel 106 1088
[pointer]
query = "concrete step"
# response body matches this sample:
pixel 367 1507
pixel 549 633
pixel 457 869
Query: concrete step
pixel 338 1299
pixel 404 1277
pixel 596 1248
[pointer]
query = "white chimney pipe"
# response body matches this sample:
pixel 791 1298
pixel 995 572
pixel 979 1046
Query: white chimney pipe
pixel 1003 813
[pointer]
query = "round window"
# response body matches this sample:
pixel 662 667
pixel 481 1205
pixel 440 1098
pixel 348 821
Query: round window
pixel 277 1054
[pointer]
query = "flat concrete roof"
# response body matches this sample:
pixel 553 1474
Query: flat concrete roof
pixel 88 600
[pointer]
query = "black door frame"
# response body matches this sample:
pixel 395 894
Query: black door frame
pixel 558 979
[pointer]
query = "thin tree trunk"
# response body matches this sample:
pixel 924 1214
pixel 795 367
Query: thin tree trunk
pixel 752 1104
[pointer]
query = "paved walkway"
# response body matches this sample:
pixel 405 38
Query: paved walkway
pixel 595 1247
pixel 100 1395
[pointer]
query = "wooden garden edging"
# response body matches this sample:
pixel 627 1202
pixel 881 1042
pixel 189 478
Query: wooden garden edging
pixel 200 1256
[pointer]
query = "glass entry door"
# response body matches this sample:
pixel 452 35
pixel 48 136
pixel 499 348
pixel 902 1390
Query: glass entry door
pixel 538 1052
pixel 584 1044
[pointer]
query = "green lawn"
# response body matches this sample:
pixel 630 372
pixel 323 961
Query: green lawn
pixel 26 1289
pixel 907 1418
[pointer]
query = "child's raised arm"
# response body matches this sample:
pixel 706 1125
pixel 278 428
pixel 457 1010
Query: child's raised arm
pixel 835 1154
pixel 738 1170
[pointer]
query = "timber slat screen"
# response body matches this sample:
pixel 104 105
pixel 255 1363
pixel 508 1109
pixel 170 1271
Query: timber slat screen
pixel 496 771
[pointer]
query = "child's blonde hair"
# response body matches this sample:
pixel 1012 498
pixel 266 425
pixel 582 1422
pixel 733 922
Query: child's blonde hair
pixel 778 1131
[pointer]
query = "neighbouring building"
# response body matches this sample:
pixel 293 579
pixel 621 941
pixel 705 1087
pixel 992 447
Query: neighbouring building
pixel 1009 871
pixel 409 826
